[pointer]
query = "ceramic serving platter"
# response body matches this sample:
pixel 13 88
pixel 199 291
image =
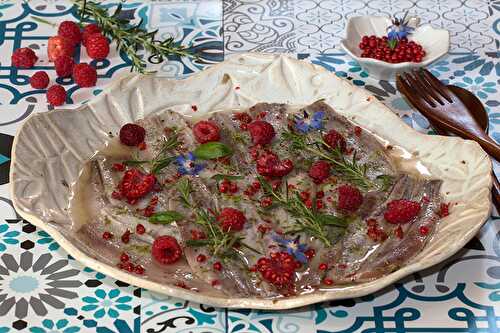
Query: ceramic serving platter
pixel 51 148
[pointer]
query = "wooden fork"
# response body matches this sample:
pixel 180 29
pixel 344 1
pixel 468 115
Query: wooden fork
pixel 446 113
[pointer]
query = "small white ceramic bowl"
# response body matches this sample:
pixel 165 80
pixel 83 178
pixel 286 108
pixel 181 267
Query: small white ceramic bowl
pixel 436 43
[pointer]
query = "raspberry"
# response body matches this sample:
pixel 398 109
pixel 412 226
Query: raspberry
pixel 261 132
pixel 23 57
pixel 89 30
pixel 205 131
pixel 268 164
pixel 84 75
pixel 166 250
pixel 107 235
pixel 124 257
pixel 401 211
pixel 283 168
pixel 64 65
pixel 140 229
pixel 135 184
pixel 350 198
pixel 56 95
pixel 217 266
pixel 58 46
pixel 39 80
pixel 71 31
pixel 278 269
pixel 132 134
pixel 310 253
pixel 319 171
pixel 139 270
pixel 97 46
pixel 335 140
pixel 231 219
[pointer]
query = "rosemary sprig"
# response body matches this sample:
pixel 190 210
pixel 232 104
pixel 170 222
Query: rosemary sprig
pixel 129 38
pixel 308 220
pixel 160 161
pixel 220 243
pixel 351 170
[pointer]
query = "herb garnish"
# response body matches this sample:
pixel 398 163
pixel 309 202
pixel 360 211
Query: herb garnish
pixel 309 221
pixel 220 243
pixel 351 170
pixel 129 38
pixel 160 161
pixel 212 150
pixel 219 177
pixel 165 217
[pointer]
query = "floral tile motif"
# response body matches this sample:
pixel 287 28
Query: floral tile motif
pixel 33 285
pixel 196 25
pixel 320 24
pixel 161 313
pixel 38 277
pixel 259 26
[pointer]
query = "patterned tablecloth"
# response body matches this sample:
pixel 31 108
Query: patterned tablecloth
pixel 43 289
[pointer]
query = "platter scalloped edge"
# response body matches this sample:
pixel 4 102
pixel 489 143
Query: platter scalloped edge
pixel 51 147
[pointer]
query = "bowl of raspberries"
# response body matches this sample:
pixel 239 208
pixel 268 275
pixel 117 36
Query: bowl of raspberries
pixel 61 53
pixel 385 47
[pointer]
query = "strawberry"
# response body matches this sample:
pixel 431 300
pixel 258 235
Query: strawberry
pixel 166 250
pixel 58 46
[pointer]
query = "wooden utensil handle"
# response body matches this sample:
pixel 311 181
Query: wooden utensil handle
pixel 495 192
pixel 490 146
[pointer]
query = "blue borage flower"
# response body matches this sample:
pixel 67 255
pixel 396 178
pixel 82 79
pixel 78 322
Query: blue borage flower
pixel 306 123
pixel 187 165
pixel 399 28
pixel 293 247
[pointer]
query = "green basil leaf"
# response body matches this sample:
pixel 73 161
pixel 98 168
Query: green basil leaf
pixel 332 220
pixel 165 217
pixel 212 150
pixel 219 177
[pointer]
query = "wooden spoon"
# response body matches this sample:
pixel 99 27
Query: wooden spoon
pixel 473 113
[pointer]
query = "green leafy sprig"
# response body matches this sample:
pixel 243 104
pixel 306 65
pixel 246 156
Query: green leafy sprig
pixel 308 220
pixel 351 170
pixel 161 160
pixel 220 243
pixel 129 38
